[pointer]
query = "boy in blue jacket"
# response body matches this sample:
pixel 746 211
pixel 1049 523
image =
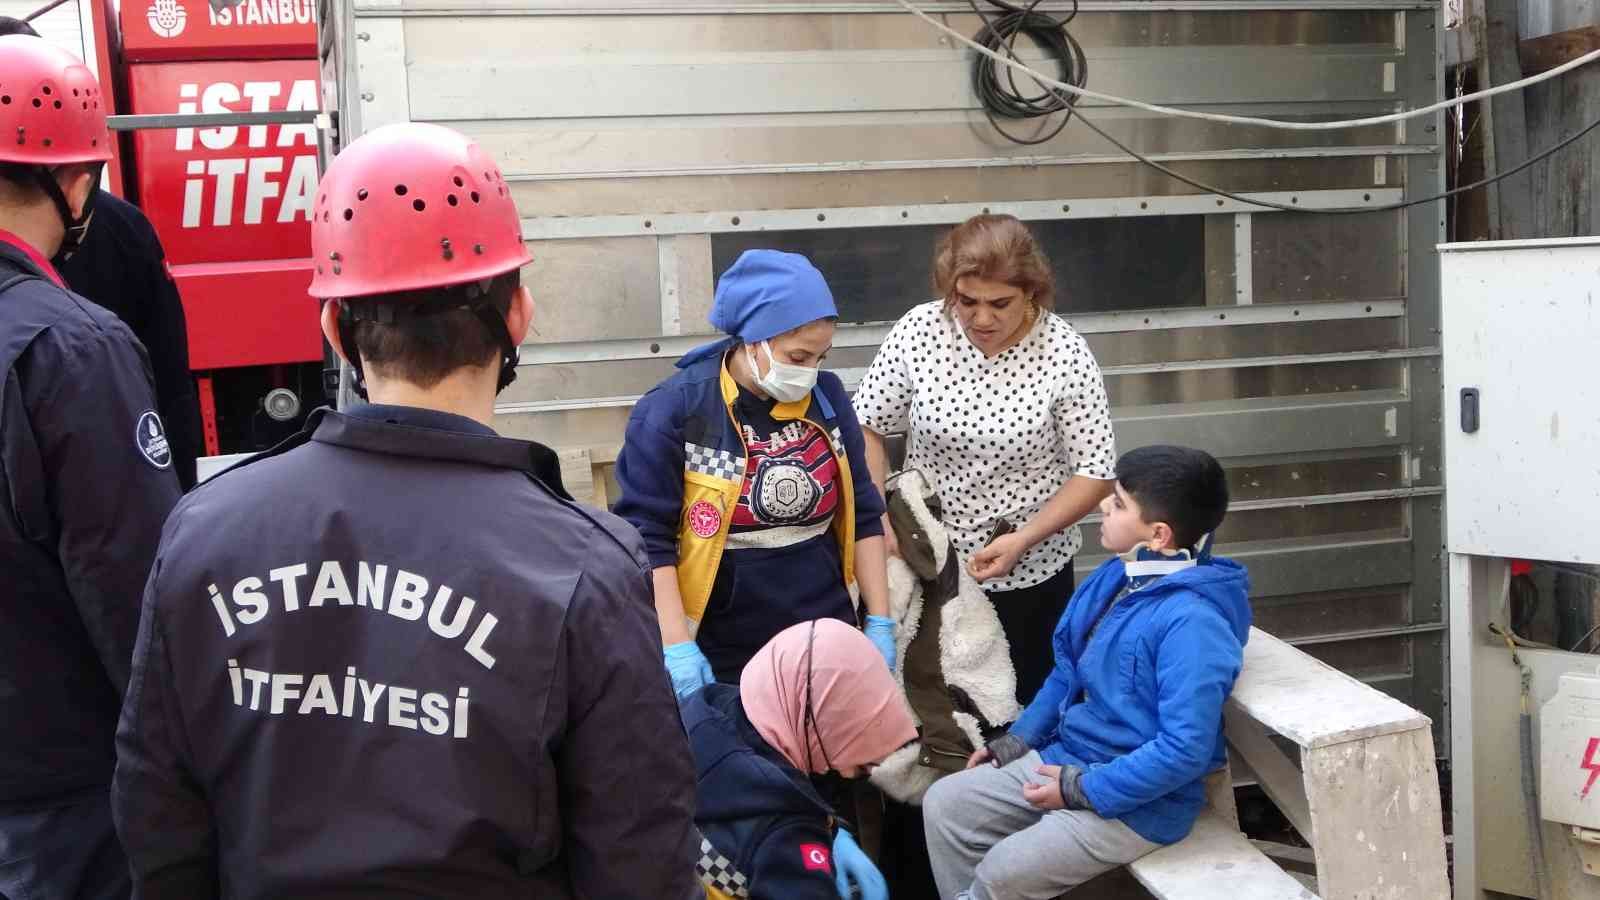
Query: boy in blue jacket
pixel 1107 763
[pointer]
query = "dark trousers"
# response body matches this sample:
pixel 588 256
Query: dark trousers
pixel 1029 617
pixel 67 852
pixel 758 593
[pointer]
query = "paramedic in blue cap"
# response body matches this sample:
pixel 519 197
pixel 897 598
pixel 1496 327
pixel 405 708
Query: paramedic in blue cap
pixel 746 474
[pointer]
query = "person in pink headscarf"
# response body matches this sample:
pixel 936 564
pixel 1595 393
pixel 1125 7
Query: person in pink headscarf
pixel 817 699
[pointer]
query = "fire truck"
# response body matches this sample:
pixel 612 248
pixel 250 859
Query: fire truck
pixel 231 203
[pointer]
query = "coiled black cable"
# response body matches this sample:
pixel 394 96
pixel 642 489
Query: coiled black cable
pixel 1001 96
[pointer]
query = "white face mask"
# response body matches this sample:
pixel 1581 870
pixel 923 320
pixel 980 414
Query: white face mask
pixel 784 382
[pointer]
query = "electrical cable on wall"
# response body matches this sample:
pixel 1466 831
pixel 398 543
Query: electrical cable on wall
pixel 1012 103
pixel 1081 92
pixel 1337 210
pixel 1003 98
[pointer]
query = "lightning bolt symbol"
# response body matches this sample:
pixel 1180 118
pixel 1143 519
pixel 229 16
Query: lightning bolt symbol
pixel 1592 765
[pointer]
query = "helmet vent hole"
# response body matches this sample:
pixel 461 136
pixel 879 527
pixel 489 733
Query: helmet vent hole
pixel 474 196
pixel 361 194
pixel 5 100
pixel 47 90
pixel 452 200
pixel 37 103
pixel 349 214
pixel 57 104
pixel 418 205
pixel 400 190
pixel 458 181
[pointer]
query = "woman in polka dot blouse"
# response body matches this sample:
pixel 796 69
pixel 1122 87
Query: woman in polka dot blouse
pixel 1006 413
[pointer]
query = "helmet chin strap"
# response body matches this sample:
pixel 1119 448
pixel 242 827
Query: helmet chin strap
pixel 352 353
pixel 510 355
pixel 75 228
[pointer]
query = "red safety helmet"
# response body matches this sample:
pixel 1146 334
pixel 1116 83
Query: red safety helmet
pixel 411 206
pixel 50 106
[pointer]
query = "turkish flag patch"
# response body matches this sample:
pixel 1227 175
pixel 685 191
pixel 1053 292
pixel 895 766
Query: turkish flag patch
pixel 815 857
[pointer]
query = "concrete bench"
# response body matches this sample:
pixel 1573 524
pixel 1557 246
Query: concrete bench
pixel 1359 785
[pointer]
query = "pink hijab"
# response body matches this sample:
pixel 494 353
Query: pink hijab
pixel 857 709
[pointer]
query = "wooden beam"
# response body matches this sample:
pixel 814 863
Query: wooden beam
pixel 1541 54
pixel 1494 25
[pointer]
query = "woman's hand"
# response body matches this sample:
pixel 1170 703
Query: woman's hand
pixel 978 757
pixel 999 557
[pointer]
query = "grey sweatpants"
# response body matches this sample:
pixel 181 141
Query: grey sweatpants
pixel 987 843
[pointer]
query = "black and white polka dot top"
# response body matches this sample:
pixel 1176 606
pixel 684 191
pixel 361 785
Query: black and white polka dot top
pixel 998 436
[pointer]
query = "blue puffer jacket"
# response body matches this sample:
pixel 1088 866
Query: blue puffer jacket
pixel 1139 705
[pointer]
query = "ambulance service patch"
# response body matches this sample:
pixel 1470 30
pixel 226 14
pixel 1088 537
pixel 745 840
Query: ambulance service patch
pixel 151 439
pixel 705 520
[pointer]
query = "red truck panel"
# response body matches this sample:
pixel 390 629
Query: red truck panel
pixel 157 30
pixel 234 195
pixel 249 314
pixel 227 193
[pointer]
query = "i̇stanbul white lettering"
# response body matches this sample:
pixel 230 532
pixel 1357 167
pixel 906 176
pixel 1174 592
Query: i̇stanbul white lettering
pixel 264 12
pixel 406 598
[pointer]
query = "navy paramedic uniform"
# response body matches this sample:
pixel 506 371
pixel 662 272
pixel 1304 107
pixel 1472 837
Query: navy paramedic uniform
pixel 85 484
pixel 121 266
pixel 391 658
pixel 766 830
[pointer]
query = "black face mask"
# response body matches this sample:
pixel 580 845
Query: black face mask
pixel 74 237
pixel 77 227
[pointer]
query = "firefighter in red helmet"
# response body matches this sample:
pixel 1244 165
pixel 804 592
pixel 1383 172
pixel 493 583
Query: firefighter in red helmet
pixel 392 656
pixel 86 482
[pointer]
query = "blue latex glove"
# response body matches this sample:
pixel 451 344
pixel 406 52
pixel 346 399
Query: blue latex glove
pixel 689 668
pixel 880 630
pixel 850 864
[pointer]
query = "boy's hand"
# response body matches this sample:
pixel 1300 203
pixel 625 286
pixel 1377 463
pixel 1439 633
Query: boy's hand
pixel 978 757
pixel 1062 791
pixel 1045 795
pixel 998 558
